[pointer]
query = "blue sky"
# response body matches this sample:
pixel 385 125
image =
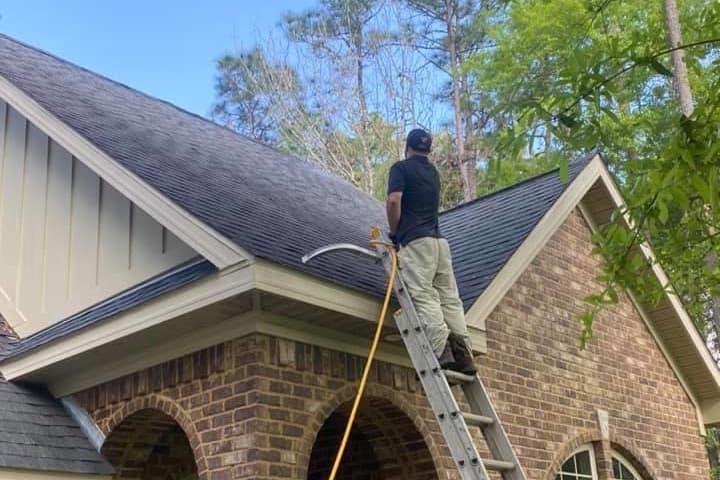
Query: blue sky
pixel 164 48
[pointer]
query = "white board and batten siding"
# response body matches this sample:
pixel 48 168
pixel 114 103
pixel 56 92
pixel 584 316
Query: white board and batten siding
pixel 68 239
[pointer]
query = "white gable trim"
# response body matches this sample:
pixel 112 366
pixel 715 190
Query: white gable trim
pixel 218 249
pixel 548 225
pixel 213 289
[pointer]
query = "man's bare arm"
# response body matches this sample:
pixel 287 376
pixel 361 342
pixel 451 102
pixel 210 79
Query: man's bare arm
pixel 394 201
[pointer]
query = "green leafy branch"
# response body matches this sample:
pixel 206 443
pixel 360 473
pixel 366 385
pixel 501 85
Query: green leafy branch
pixel 620 241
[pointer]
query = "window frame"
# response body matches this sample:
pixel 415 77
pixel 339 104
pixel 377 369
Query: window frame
pixel 588 447
pixel 625 463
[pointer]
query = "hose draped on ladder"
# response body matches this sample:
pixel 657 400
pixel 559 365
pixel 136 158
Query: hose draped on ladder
pixel 371 356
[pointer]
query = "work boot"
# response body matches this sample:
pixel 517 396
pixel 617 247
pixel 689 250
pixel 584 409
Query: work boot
pixel 463 358
pixel 447 359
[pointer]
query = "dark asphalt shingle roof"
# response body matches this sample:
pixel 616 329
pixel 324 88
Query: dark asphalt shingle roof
pixel 156 286
pixel 37 433
pixel 273 205
pixel 276 206
pixel 483 234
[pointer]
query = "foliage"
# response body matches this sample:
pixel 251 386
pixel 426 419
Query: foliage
pixel 541 82
pixel 246 87
pixel 596 75
pixel 342 83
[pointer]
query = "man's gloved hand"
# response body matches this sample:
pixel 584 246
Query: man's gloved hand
pixel 393 239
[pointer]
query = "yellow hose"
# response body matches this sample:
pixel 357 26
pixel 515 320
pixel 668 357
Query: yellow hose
pixel 371 355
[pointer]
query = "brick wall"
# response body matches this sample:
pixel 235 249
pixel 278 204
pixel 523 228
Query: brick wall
pixel 548 390
pixel 257 407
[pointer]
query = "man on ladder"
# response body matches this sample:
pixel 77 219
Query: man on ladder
pixel 432 322
pixel 413 204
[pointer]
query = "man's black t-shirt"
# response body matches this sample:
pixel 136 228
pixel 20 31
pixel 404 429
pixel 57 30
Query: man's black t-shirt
pixel 419 182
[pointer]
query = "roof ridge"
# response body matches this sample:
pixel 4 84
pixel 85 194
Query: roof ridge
pixel 143 94
pixel 588 156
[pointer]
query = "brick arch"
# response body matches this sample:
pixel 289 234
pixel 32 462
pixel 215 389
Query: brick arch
pixel 168 407
pixel 375 393
pixel 589 436
pixel 623 445
pixel 629 451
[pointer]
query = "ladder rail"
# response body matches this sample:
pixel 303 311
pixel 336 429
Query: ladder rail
pixel 494 433
pixel 437 390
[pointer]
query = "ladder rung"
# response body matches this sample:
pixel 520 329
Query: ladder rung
pixel 477 420
pixel 499 465
pixel 457 377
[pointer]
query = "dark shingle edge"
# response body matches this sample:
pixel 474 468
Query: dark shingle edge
pixel 159 285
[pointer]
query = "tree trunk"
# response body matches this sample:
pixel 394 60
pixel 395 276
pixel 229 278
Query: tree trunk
pixel 368 181
pixel 682 84
pixel 460 156
pixel 470 147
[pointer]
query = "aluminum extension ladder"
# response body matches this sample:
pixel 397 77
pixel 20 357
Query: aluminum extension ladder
pixel 436 383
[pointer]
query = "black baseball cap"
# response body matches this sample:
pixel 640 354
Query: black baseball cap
pixel 419 140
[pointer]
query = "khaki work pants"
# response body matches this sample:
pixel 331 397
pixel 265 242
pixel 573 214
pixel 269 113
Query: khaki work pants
pixel 427 270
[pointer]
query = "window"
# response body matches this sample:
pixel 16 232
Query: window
pixel 622 470
pixel 580 466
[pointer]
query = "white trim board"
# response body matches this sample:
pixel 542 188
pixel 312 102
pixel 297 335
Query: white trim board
pixel 230 329
pixel 282 281
pixel 221 251
pixel 213 289
pixel 711 412
pixel 259 275
pixel 174 347
pixel 285 282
